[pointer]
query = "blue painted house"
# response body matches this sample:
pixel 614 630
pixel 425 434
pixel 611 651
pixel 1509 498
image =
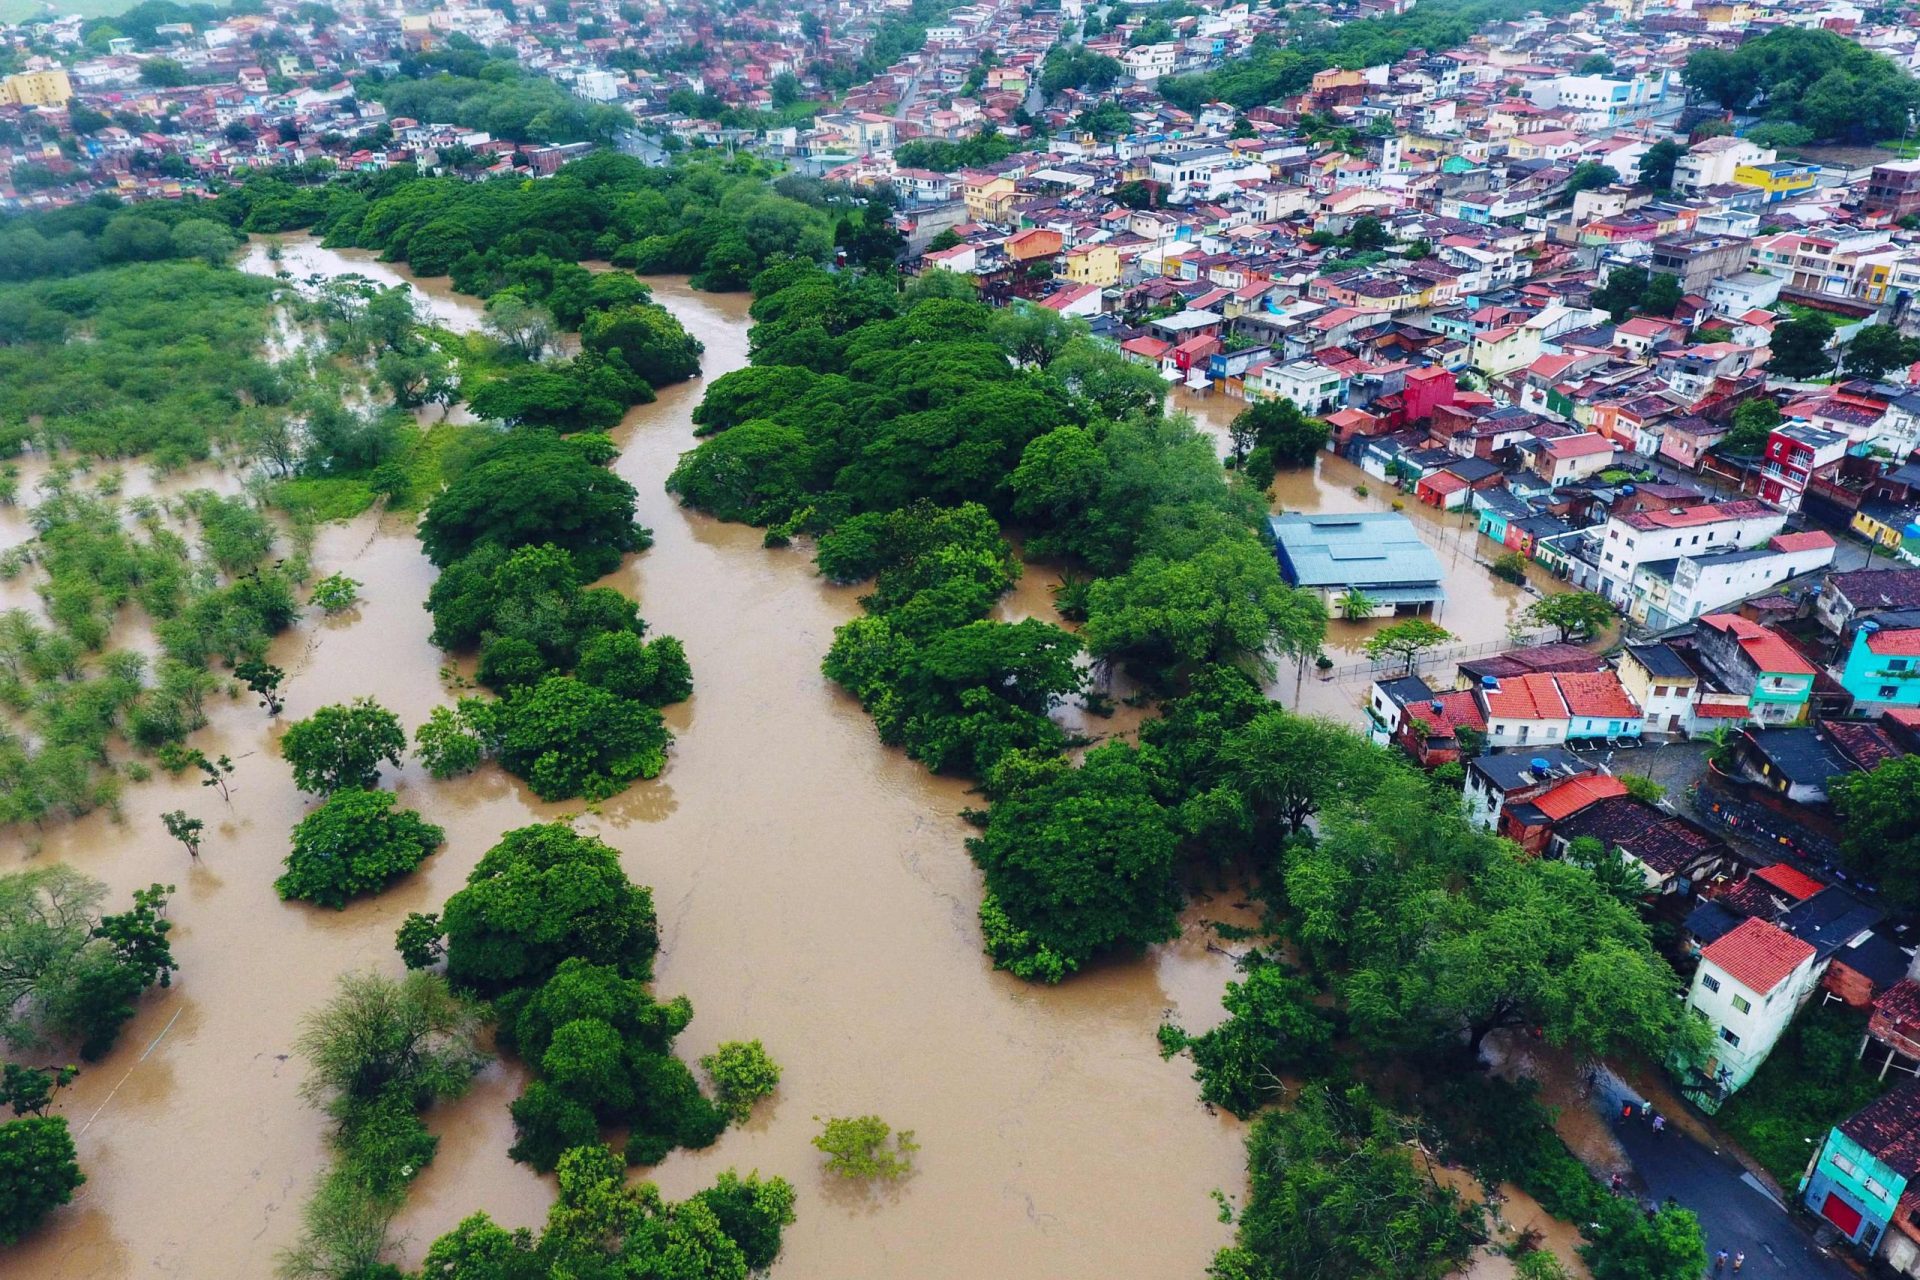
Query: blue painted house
pixel 1883 663
pixel 1865 1167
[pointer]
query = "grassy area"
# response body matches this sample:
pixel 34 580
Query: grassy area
pixel 1905 150
pixel 1811 1082
pixel 413 477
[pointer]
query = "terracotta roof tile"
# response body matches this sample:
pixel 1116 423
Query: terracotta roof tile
pixel 1757 955
pixel 1790 880
pixel 1576 794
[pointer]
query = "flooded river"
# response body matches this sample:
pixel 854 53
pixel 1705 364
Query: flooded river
pixel 813 892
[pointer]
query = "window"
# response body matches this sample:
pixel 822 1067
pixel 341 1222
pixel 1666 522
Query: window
pixel 1730 1037
pixel 1710 982
pixel 1742 1004
pixel 1889 692
pixel 1896 664
pixel 1843 1164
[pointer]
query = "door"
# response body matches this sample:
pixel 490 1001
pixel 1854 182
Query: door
pixel 1841 1214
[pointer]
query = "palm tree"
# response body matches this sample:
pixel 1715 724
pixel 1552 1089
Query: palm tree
pixel 1355 605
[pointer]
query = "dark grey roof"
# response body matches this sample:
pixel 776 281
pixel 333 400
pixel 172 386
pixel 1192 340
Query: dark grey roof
pixel 1405 689
pixel 1830 919
pixel 1877 958
pixel 1709 922
pixel 1660 660
pixel 1802 756
pixel 1510 770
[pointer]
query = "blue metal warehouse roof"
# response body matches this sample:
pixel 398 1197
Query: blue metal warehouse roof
pixel 1368 550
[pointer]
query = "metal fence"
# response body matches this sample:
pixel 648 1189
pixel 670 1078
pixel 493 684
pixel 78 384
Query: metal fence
pixel 1437 657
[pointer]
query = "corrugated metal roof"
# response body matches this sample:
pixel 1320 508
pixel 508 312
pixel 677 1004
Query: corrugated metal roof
pixel 1362 549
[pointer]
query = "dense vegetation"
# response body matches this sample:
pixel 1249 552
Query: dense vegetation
pixel 154 358
pixel 550 931
pixel 1813 1079
pixel 72 975
pixel 517 533
pixel 381 1051
pixel 899 430
pixel 1809 84
pixel 718 220
pixel 1271 70
pixel 1876 815
pixel 481 90
pixel 551 943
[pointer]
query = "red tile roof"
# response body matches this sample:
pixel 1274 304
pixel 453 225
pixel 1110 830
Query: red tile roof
pixel 1707 513
pixel 1769 652
pixel 1580 446
pixel 1757 955
pixel 1790 880
pixel 1811 540
pixel 1898 644
pixel 1532 697
pixel 1597 693
pixel 1575 794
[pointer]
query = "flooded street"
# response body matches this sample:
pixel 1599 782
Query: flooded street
pixel 813 893
pixel 1479 610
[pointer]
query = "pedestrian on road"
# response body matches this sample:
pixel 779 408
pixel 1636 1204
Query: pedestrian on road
pixel 1739 1261
pixel 1618 1180
pixel 1626 1111
pixel 1719 1262
pixel 1659 1123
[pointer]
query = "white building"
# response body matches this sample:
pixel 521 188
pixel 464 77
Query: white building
pixel 1149 62
pixel 1667 593
pixel 1750 983
pixel 1311 386
pixel 1711 163
pixel 1628 541
pixel 1600 102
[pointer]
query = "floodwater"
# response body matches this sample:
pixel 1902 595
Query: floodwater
pixel 813 892
pixel 1480 609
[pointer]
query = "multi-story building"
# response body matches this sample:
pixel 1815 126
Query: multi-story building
pixel 48 88
pixel 1697 261
pixel 1750 983
pixel 1777 179
pixel 1757 664
pixel 1795 451
pixel 1865 1178
pixel 1894 188
pixel 1712 163
pixel 1616 550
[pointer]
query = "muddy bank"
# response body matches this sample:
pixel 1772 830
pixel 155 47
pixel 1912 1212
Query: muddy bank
pixel 813 892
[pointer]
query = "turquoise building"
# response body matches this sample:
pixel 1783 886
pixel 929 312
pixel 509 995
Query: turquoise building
pixel 1883 665
pixel 1865 1167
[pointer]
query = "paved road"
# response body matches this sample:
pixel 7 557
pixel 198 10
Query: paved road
pixel 1737 1215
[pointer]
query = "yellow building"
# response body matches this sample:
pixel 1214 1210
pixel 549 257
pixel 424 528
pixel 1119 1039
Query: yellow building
pixel 1094 264
pixel 1877 530
pixel 36 89
pixel 1778 180
pixel 987 195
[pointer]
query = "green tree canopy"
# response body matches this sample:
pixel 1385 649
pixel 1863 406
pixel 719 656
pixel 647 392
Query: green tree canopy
pixel 342 746
pixel 1880 839
pixel 541 895
pixel 529 489
pixel 1076 866
pixel 355 843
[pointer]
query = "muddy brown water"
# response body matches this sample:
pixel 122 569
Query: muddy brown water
pixel 1480 609
pixel 813 892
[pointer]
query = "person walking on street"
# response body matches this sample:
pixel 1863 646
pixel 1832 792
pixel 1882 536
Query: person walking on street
pixel 1719 1262
pixel 1739 1261
pixel 1659 1123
